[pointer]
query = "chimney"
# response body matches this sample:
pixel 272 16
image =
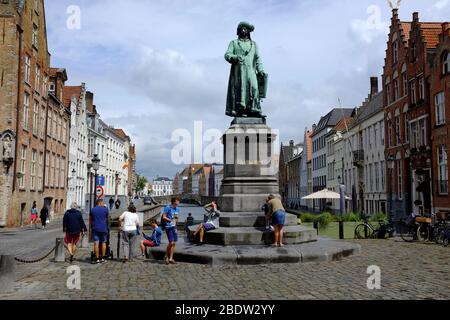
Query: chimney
pixel 416 17
pixel 373 86
pixel 395 13
pixel 89 100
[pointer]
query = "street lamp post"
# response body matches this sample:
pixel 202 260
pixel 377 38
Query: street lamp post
pixel 95 165
pixel 74 174
pixel 342 207
pixel 391 161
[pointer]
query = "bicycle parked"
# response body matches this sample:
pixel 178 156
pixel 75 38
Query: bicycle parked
pixel 418 228
pixel 366 230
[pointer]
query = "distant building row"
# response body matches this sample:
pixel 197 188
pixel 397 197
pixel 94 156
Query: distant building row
pixel 49 131
pixel 200 179
pixel 391 152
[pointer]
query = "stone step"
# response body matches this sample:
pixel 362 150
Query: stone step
pixel 246 219
pixel 257 236
pixel 323 250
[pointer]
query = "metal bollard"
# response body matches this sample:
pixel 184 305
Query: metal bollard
pixel 60 254
pixel 341 230
pixel 118 245
pixel 7 273
pixel 316 226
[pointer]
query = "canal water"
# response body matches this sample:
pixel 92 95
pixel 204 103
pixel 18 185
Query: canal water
pixel 185 209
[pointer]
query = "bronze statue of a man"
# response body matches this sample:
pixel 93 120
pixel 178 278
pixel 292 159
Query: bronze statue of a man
pixel 248 81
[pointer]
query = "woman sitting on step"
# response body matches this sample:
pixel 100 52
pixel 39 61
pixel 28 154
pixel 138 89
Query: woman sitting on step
pixel 211 221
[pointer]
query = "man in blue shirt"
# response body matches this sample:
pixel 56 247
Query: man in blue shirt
pixel 154 240
pixel 170 216
pixel 99 222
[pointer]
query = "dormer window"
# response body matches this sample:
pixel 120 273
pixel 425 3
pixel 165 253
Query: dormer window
pixel 414 53
pixel 52 87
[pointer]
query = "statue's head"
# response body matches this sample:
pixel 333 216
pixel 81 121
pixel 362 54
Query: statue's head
pixel 244 29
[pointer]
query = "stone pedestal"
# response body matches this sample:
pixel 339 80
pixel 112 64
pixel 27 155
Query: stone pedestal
pixel 7 273
pixel 249 167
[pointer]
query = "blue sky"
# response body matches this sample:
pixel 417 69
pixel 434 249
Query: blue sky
pixel 157 65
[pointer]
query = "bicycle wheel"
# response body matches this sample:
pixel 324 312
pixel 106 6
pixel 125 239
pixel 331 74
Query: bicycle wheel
pixel 438 235
pixel 423 232
pixel 407 231
pixel 360 232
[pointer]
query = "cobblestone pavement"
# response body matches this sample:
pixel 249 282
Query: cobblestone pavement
pixel 408 271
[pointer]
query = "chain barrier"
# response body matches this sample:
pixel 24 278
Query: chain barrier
pixel 35 260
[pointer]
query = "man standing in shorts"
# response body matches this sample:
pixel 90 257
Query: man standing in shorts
pixel 170 215
pixel 73 226
pixel 99 222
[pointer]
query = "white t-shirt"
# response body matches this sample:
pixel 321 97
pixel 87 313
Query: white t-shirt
pixel 130 221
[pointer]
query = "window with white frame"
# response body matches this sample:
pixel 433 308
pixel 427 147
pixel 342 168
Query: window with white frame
pixel 405 83
pixel 422 133
pixel 33 170
pixel 57 171
pixel 395 49
pixel 388 93
pixel 64 132
pixel 443 170
pixel 63 172
pixel 42 123
pixel 55 125
pixel 399 179
pixel 36 118
pixel 27 68
pixel 382 133
pixel 440 108
pixel 396 92
pixel 52 172
pixel 421 88
pixel 58 130
pixel 35 36
pixel 26 110
pixel 40 171
pixel 44 85
pixel 406 124
pixel 383 175
pixel 397 130
pixel 414 135
pixel 23 160
pixel 47 169
pixel 446 63
pixel 37 78
pixel 413 92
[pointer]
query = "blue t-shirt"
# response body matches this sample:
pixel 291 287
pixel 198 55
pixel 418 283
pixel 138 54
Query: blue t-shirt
pixel 171 213
pixel 156 236
pixel 99 218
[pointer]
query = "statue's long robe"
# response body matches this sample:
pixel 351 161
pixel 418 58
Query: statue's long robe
pixel 243 93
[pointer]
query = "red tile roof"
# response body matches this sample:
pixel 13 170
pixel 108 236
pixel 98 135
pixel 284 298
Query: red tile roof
pixel 406 27
pixel 121 133
pixel 430 33
pixel 343 124
pixel 70 92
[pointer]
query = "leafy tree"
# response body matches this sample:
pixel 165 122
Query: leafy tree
pixel 141 182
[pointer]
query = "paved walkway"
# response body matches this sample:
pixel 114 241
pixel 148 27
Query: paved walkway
pixel 408 271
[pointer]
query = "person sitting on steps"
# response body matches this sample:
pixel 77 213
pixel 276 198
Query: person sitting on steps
pixel 211 221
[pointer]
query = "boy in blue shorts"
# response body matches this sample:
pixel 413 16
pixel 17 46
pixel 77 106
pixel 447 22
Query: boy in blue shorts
pixel 170 216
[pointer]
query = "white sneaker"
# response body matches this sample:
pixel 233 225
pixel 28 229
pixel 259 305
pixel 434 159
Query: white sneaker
pixel 272 228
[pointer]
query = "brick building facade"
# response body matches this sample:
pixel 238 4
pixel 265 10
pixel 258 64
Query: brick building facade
pixel 407 101
pixel 24 70
pixel 440 120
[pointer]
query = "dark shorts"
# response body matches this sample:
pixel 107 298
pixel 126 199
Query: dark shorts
pixel 208 226
pixel 172 234
pixel 278 218
pixel 149 243
pixel 72 238
pixel 100 237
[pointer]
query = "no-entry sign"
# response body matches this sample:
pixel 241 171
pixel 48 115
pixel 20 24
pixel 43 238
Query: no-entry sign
pixel 100 192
